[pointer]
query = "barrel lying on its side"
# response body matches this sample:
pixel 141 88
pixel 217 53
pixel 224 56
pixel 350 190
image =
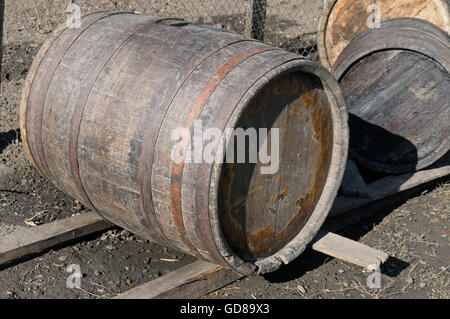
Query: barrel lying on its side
pixel 101 106
pixel 396 80
pixel 342 20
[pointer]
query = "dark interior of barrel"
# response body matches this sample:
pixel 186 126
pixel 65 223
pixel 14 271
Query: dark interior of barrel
pixel 261 211
pixel 399 109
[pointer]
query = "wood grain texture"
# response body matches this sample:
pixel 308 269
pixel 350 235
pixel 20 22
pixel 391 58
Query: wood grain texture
pixel 349 250
pixel 397 88
pixel 343 20
pixel 261 213
pixel 36 240
pixel 102 123
pixel 188 282
pixel 389 186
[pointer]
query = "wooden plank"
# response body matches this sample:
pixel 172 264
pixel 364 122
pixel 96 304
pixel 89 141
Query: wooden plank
pixel 349 250
pixel 191 281
pixel 36 240
pixel 389 186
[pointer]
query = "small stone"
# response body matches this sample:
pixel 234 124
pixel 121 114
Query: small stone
pixel 62 258
pixel 109 247
pixel 341 271
pixel 409 280
pixel 301 289
pixel 422 285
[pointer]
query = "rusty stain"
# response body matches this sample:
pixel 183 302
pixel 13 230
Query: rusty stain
pixel 309 98
pixel 292 110
pixel 282 195
pixel 323 133
pixel 209 272
pixel 267 241
pixel 177 169
pixel 348 18
pixel 262 241
pixel 250 194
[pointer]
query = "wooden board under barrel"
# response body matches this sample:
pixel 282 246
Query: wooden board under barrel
pixel 342 20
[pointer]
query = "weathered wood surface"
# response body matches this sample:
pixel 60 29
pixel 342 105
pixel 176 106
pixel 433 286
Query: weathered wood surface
pixel 200 278
pixel 191 281
pixel 349 250
pixel 397 88
pixel 342 20
pixel 388 186
pixel 102 103
pixel 261 213
pixel 28 242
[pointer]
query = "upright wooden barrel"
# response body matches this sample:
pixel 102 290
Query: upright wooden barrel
pixel 342 20
pixel 100 114
pixel 397 87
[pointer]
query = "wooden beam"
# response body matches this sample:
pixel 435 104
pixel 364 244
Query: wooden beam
pixel 349 250
pixel 23 243
pixel 388 186
pixel 191 281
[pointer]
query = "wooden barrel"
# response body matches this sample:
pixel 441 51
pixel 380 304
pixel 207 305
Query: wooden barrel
pixel 102 104
pixel 342 20
pixel 397 88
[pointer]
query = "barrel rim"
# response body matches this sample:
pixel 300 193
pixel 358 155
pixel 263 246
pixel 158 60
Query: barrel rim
pixel 376 44
pixel 323 25
pixel 321 33
pixel 335 174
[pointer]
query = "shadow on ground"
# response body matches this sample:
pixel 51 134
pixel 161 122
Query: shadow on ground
pixel 311 260
pixel 7 138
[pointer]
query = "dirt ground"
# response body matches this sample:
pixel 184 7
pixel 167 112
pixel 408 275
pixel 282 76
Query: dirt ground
pixel 415 233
